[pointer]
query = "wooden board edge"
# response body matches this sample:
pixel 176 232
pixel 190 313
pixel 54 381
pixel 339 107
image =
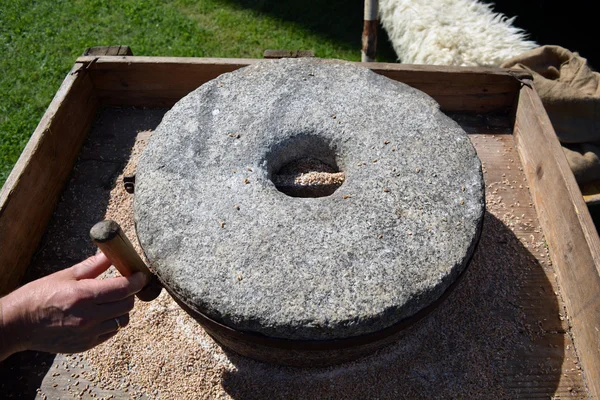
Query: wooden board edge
pixel 106 61
pixel 568 228
pixel 30 194
pixel 162 81
pixel 108 51
pixel 112 62
pixel 272 53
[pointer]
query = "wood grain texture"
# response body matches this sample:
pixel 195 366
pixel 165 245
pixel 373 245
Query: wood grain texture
pixel 288 53
pixel 31 191
pixel 162 81
pixel 570 232
pixel 108 51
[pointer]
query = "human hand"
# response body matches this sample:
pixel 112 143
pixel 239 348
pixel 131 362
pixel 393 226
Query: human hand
pixel 69 311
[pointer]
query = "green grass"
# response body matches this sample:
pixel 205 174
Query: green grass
pixel 40 40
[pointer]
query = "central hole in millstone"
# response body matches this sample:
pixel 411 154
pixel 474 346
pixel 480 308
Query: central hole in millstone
pixel 308 177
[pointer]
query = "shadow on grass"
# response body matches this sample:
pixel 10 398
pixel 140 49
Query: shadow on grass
pixel 338 20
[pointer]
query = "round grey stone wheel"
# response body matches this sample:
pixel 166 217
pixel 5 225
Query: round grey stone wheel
pixel 252 258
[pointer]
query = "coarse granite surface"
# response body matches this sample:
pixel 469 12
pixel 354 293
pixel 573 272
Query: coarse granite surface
pixel 383 246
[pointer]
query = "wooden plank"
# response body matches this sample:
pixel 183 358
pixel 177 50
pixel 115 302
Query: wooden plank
pixel 474 90
pixel 154 81
pixel 288 53
pixel 108 51
pixel 570 233
pixel 31 191
pixel 161 81
pixel 507 195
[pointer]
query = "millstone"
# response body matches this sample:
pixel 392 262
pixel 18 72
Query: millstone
pixel 395 227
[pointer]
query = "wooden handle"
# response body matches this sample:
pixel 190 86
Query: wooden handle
pixel 112 241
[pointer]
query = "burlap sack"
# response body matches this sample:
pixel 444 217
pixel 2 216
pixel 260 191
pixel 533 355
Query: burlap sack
pixel 570 91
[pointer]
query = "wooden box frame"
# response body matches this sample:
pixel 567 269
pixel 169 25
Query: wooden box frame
pixel 29 196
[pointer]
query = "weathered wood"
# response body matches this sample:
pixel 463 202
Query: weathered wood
pixel 162 81
pixel 288 53
pixel 475 90
pixel 154 81
pixel 369 34
pixel 31 191
pixel 108 51
pixel 568 227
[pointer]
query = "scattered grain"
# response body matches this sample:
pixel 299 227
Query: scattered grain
pixel 164 353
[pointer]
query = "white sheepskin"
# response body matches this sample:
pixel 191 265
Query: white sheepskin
pixel 451 32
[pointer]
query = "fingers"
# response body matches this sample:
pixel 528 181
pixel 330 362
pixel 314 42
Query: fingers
pixel 115 289
pixel 107 329
pixel 110 326
pixel 92 267
pixel 101 332
pixel 112 310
